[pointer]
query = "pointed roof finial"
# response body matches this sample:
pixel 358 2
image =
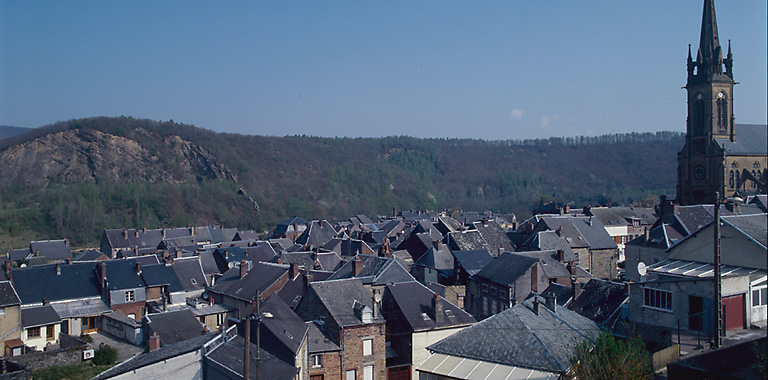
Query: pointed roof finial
pixel 709 42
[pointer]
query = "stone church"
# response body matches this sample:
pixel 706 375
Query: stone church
pixel 719 155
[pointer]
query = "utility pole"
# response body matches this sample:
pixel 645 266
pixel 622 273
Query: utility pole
pixel 718 288
pixel 258 336
pixel 247 353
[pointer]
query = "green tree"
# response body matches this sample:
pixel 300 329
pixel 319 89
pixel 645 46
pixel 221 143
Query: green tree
pixel 611 359
pixel 105 354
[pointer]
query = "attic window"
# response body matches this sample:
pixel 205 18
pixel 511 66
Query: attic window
pixel 425 316
pixel 286 333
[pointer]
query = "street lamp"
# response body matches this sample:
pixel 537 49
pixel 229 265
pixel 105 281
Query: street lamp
pixel 258 316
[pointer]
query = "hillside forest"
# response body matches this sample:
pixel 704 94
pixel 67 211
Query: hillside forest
pixel 73 179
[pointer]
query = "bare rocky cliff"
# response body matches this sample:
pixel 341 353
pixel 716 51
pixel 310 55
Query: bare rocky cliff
pixel 91 156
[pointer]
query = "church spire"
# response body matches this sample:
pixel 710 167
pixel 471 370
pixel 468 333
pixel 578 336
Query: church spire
pixel 710 57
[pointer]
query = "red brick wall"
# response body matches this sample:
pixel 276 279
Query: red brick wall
pixel 135 308
pixel 331 368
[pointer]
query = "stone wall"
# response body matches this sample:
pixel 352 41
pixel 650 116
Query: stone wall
pixel 63 356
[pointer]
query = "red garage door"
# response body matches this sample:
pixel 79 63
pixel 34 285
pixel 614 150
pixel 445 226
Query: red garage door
pixel 734 312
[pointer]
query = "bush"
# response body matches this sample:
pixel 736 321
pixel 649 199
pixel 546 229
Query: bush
pixel 105 354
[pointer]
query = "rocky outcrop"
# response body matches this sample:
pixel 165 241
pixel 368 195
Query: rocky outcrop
pixel 87 155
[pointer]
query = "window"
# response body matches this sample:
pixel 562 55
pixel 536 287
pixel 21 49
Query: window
pixel 368 372
pixel 731 182
pixel 129 296
pixel 49 330
pixel 367 347
pixel 660 299
pixel 351 375
pixel 484 288
pixel 760 297
pixel 33 332
pixel 2 310
pixel 317 360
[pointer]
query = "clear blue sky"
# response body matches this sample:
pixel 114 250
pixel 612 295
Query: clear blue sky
pixel 491 69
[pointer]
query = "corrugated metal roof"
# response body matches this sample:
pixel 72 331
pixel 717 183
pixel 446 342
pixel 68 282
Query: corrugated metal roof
pixel 463 368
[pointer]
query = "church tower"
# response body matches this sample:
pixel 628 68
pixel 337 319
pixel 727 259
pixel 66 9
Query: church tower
pixel 710 116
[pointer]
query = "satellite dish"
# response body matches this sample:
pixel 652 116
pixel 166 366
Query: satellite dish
pixel 641 268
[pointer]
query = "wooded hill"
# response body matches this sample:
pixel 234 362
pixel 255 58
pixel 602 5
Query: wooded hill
pixel 72 179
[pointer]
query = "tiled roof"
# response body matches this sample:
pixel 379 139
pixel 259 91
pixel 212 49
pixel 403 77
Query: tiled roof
pixel 284 324
pixel 552 267
pixel 753 226
pixel 340 298
pixel 76 281
pixel 520 337
pixel 190 273
pixel 52 249
pixel 230 355
pixel 599 299
pixel 750 140
pixel 38 316
pixel 376 270
pixel 8 296
pixel 160 275
pixel 473 261
pixel 319 340
pixel 257 279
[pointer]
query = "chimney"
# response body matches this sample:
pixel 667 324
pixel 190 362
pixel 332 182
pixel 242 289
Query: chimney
pixel 559 231
pixel 357 266
pixel 551 301
pixel 437 308
pixel 45 301
pixel 66 242
pixel 576 288
pixel 243 268
pixel 138 268
pixel 136 232
pixel 37 252
pixel 535 278
pixel 178 253
pixel 103 271
pixel 590 221
pixel 9 270
pixel 193 231
pixel 154 342
pixel 213 280
pixel 536 305
pixel 125 233
pixel 293 271
pixel 647 234
pixel 69 261
pixel 560 255
pixel 58 269
pixel 164 233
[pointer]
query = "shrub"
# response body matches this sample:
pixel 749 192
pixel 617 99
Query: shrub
pixel 105 354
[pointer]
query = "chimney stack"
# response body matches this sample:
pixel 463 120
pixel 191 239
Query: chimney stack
pixel 138 268
pixel 551 301
pixel 9 270
pixel 293 271
pixel 357 266
pixel 243 268
pixel 69 261
pixel 590 221
pixel 576 288
pixel 154 342
pixel 58 269
pixel 535 278
pixel 560 255
pixel 437 308
pixel 536 305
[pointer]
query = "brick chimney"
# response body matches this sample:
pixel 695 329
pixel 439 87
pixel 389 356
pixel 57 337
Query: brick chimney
pixel 9 270
pixel 536 305
pixel 357 266
pixel 535 277
pixel 576 288
pixel 154 342
pixel 437 309
pixel 138 268
pixel 560 255
pixel 69 261
pixel 243 268
pixel 293 271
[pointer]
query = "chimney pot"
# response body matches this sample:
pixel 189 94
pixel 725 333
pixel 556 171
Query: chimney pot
pixel 551 301
pixel 576 288
pixel 437 308
pixel 536 306
pixel 154 342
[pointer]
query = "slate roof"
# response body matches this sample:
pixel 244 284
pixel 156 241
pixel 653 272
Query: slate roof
pixel 287 226
pixel 751 140
pixel 285 326
pixel 494 235
pixel 189 271
pixel 259 278
pixel 230 355
pixel 302 259
pixel 470 240
pixel 599 299
pixel 663 236
pixel 549 263
pixel 329 261
pixel 158 355
pixel 319 340
pixel 473 261
pixel 51 249
pixel 8 296
pixel 437 258
pixel 614 216
pixel 753 226
pixel 260 251
pixel 39 316
pixel 160 275
pixel 550 241
pixel 90 255
pixel 562 293
pixel 174 326
pixel 76 281
pixel 121 274
pixel 413 302
pixel 376 271
pixel 520 337
pixel 340 298
pixel 581 231
pixel 208 263
pixel 507 268
pixel 317 234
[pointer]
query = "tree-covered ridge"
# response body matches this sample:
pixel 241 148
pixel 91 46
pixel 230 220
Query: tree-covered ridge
pixel 333 178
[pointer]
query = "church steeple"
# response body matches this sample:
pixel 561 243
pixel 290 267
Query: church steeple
pixel 710 58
